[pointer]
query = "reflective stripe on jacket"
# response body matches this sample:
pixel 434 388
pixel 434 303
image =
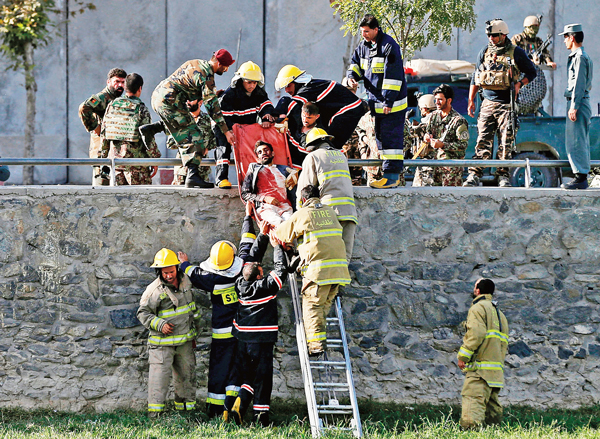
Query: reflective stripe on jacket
pixel 486 342
pixel 161 304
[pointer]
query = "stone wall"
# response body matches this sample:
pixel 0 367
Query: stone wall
pixel 75 260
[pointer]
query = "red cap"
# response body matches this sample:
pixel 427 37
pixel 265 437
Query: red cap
pixel 224 57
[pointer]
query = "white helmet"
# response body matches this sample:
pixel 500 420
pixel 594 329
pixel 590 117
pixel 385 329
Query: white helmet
pixel 496 26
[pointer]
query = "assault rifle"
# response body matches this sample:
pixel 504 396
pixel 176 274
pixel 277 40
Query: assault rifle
pixel 513 109
pixel 535 56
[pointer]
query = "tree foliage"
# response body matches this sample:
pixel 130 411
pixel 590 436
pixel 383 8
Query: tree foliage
pixel 414 24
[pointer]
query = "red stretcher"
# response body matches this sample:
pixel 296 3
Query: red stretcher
pixel 246 137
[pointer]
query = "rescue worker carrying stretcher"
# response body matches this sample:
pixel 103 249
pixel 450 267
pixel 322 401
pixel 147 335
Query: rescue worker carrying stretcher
pixel 168 310
pixel 323 260
pixel 217 276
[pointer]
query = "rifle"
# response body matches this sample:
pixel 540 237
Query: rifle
pixel 535 56
pixel 513 110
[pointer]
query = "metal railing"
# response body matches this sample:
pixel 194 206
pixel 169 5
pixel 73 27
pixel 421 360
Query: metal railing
pixel 113 163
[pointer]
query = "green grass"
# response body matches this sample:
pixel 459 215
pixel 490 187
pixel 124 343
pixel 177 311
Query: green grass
pixel 380 420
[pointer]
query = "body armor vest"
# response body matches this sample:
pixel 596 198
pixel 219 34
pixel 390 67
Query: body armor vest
pixel 121 121
pixel 497 72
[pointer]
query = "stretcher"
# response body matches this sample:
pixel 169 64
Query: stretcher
pixel 246 137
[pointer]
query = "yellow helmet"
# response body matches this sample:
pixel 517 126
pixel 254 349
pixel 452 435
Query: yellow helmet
pixel 250 72
pixel 222 255
pixel 165 258
pixel 427 101
pixel 315 134
pixel 286 75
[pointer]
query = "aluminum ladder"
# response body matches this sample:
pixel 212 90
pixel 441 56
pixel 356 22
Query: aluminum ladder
pixel 329 376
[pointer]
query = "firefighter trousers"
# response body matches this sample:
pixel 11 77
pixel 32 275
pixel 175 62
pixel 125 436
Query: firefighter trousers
pixel 221 372
pixel 316 303
pixel 255 362
pixel 480 403
pixel 179 361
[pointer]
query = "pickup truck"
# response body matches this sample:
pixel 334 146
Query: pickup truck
pixel 540 137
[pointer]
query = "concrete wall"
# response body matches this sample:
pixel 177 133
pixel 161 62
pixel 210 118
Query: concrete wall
pixel 155 37
pixel 74 262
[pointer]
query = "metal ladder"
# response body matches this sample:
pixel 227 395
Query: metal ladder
pixel 324 378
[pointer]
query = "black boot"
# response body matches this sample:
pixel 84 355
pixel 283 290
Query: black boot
pixel 150 130
pixel 193 178
pixel 579 182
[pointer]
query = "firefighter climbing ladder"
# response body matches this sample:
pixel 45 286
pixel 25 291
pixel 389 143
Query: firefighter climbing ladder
pixel 324 378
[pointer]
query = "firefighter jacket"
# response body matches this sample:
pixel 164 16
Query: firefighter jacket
pixel 256 318
pixel 327 168
pixel 486 342
pixel 220 284
pixel 196 79
pixel 161 303
pixel 249 186
pixel 238 107
pixel 320 243
pixel 379 66
pixel 332 98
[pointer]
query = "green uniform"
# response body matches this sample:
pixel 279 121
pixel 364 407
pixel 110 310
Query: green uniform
pixel 171 354
pixel 483 350
pixel 180 172
pixel 577 134
pixel 193 80
pixel 453 131
pixel 324 264
pixel 91 112
pixel 367 145
pixel 121 139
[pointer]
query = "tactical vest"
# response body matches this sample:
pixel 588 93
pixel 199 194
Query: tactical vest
pixel 497 72
pixel 121 120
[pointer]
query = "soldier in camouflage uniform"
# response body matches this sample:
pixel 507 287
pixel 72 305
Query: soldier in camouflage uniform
pixel 448 135
pixel 91 112
pixel 193 80
pixel 423 174
pixel 204 124
pixel 120 134
pixel 367 146
pixel 530 42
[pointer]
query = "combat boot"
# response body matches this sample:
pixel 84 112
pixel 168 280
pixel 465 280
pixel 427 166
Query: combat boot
pixel 150 130
pixel 193 178
pixel 579 182
pixel 471 181
pixel 504 181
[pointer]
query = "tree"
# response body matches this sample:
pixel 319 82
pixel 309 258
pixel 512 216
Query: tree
pixel 26 25
pixel 414 24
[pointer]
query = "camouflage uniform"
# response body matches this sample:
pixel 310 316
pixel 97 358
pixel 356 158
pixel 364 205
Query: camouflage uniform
pixel 91 112
pixel 351 150
pixel 193 80
pixel 530 46
pixel 121 139
pixel 453 130
pixel 367 145
pixel 424 175
pixel 180 172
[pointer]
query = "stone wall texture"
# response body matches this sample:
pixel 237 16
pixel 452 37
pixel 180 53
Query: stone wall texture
pixel 74 262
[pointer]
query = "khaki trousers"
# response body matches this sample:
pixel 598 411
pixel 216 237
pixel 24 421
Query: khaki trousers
pixel 178 361
pixel 480 403
pixel 316 303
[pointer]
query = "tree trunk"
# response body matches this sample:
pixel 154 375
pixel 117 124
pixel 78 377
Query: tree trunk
pixel 30 89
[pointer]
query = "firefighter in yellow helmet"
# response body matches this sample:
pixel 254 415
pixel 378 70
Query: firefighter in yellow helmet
pixel 244 102
pixel 217 276
pixel 481 358
pixel 168 310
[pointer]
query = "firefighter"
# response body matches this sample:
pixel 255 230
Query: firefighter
pixel 217 276
pixel 481 357
pixel 323 260
pixel 339 108
pixel 168 310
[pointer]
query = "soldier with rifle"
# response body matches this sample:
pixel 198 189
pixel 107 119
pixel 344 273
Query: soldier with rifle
pixel 498 68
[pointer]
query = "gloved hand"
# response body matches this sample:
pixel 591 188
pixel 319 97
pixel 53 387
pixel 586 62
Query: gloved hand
pixel 294 263
pixel 292 179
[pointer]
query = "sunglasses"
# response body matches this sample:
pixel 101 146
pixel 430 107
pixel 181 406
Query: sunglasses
pixel 493 35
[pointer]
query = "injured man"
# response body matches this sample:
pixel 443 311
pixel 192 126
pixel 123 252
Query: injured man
pixel 268 186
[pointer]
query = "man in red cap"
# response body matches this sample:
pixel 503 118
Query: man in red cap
pixel 193 80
